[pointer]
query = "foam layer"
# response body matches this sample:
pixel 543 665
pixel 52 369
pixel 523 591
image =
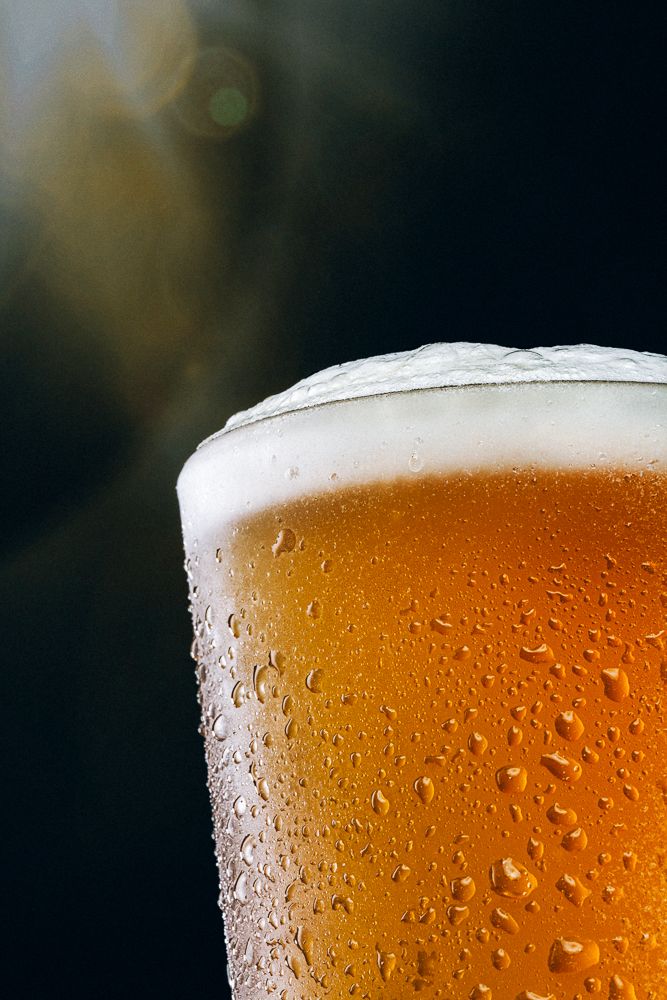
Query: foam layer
pixel 438 365
pixel 479 407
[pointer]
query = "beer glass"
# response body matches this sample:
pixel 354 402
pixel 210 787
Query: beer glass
pixel 429 595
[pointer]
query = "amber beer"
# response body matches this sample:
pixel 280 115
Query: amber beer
pixel 430 634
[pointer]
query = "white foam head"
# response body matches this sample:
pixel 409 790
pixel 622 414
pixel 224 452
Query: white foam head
pixel 441 408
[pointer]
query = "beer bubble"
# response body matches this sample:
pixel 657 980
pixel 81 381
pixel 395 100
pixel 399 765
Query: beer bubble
pixel 220 728
pixel 570 955
pixel 315 681
pixel 380 802
pixel 563 768
pixel 425 789
pixel 621 989
pixel 511 879
pixel 386 963
pixel 463 889
pixel 569 726
pixel 285 542
pixel 511 779
pixel 573 890
pixel 616 683
pixel 561 815
pixel 504 921
pixel 500 959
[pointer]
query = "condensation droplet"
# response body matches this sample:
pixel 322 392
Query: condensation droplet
pixel 616 683
pixel 575 840
pixel 563 768
pixel 621 989
pixel 477 744
pixel 380 802
pixel 561 815
pixel 511 879
pixel 569 726
pixel 306 942
pixel 315 681
pixel 285 542
pixel 463 889
pixel 239 807
pixel 569 955
pixel 500 959
pixel 573 890
pixel 425 789
pixel 542 654
pixel 220 728
pixel 481 992
pixel 511 779
pixel 386 962
pixel 400 873
pixel 241 888
pixel 504 921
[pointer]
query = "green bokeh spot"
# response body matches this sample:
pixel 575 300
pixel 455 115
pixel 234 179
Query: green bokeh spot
pixel 228 107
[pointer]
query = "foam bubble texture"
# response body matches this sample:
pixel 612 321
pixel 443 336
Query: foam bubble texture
pixel 438 365
pixel 479 407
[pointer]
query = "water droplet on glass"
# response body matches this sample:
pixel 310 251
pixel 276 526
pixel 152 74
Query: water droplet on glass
pixel 380 802
pixel 563 768
pixel 573 890
pixel 386 961
pixel 500 959
pixel 511 879
pixel 400 873
pixel 504 921
pixel 511 779
pixel 616 683
pixel 315 681
pixel 569 955
pixel 569 726
pixel 621 989
pixel 285 542
pixel 477 744
pixel 241 888
pixel 239 807
pixel 220 728
pixel 463 888
pixel 425 789
pixel 561 815
pixel 480 992
pixel 541 654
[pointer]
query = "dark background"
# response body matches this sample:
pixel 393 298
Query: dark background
pixel 387 174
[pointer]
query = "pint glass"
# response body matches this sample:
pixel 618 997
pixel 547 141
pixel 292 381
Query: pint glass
pixel 429 595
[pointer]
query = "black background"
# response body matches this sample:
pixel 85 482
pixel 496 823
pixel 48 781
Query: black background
pixel 435 170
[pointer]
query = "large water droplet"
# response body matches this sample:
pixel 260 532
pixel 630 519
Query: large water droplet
pixel 511 879
pixel 569 726
pixel 285 542
pixel 425 789
pixel 563 768
pixel 504 921
pixel 621 989
pixel 220 728
pixel 573 890
pixel 386 961
pixel 380 802
pixel 616 683
pixel 511 779
pixel 463 888
pixel 569 955
pixel 315 681
pixel 306 942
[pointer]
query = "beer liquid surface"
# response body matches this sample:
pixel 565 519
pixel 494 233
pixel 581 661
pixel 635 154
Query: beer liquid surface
pixel 436 730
